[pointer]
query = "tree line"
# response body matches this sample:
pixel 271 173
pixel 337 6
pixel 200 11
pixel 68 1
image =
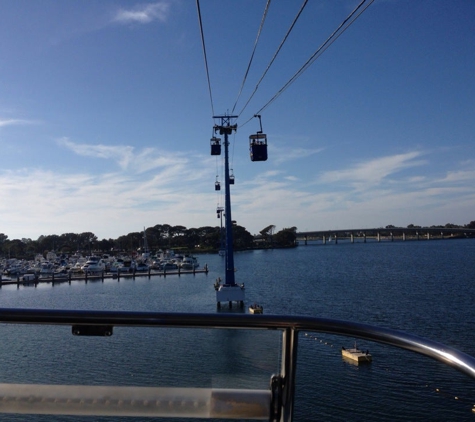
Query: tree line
pixel 160 236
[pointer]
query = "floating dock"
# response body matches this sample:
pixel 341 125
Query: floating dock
pixel 356 355
pixel 60 278
pixel 256 309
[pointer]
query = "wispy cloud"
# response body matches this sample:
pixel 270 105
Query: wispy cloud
pixel 176 192
pixel 11 122
pixel 460 176
pixel 144 13
pixel 107 199
pixel 126 156
pixel 282 155
pixel 373 172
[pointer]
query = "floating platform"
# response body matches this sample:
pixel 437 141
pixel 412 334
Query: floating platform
pixel 356 355
pixel 229 293
pixel 61 278
pixel 256 309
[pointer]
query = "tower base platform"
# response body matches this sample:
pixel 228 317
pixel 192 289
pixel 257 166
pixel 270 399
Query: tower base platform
pixel 230 293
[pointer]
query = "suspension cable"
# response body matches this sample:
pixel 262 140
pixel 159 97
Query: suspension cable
pixel 253 51
pixel 232 152
pixel 204 54
pixel 330 40
pixel 275 54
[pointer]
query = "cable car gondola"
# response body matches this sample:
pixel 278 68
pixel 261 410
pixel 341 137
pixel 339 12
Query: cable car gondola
pixel 231 178
pixel 215 146
pixel 217 185
pixel 258 145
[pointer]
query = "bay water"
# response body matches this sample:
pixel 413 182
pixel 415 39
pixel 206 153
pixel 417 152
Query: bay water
pixel 425 287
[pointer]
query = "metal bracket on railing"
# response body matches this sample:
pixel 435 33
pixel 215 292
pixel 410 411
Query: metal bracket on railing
pixel 276 386
pixel 92 330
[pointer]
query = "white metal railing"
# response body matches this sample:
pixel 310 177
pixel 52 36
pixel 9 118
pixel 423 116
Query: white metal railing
pixel 274 404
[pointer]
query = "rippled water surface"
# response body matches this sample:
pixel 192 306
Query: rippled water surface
pixel 423 287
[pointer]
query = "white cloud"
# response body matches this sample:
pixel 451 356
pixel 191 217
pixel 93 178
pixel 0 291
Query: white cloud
pixel 282 155
pixel 460 176
pixel 126 156
pixel 10 122
pixel 108 204
pixel 151 187
pixel 370 173
pixel 143 13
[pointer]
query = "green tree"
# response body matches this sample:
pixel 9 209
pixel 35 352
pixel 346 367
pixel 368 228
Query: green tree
pixel 286 237
pixel 210 237
pixel 192 238
pixel 15 249
pixel 242 239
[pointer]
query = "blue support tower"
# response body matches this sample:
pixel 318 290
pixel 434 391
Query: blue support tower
pixel 229 291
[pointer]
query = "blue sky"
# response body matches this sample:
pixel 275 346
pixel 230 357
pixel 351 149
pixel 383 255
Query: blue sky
pixel 105 115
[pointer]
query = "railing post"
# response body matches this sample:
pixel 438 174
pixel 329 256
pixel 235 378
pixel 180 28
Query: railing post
pixel 288 371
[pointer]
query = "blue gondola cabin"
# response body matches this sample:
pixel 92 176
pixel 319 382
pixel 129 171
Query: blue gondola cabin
pixel 215 146
pixel 258 147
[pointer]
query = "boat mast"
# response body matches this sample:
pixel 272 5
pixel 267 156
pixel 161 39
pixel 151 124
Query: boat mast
pixel 146 251
pixel 226 128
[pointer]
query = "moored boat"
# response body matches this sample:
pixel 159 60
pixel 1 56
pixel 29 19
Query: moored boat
pixel 141 267
pixel 93 265
pixel 189 263
pixel 29 276
pixel 168 265
pixel 46 270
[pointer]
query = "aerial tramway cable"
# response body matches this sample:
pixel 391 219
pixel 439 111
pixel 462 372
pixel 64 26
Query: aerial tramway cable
pixel 330 40
pixel 253 52
pixel 275 54
pixel 204 54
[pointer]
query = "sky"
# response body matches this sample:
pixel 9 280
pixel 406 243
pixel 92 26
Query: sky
pixel 106 114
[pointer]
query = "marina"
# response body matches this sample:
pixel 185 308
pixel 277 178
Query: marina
pixel 64 269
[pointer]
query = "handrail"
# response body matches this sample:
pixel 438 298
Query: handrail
pixel 289 325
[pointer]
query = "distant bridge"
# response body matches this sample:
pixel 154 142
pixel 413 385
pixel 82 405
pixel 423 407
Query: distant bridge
pixel 413 233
